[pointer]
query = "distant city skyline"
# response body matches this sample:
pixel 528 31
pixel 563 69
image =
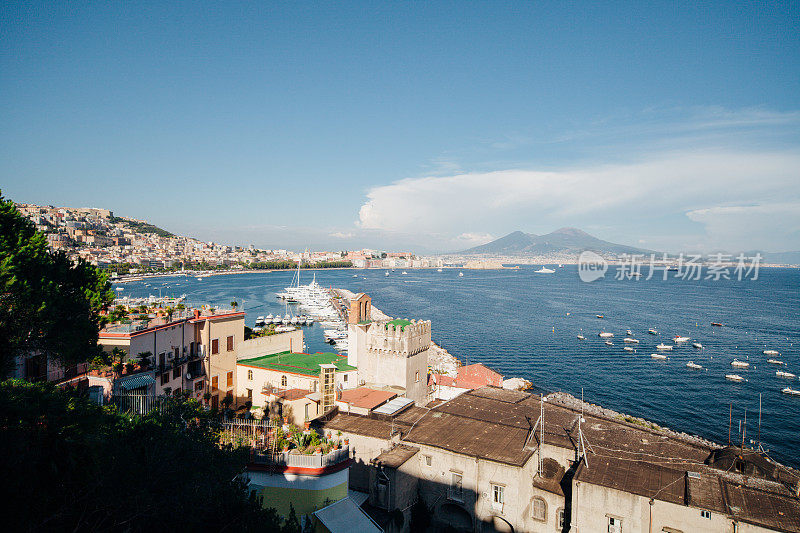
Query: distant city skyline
pixel 431 128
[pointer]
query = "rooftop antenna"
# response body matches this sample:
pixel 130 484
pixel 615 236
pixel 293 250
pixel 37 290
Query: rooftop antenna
pixel 730 422
pixel 759 422
pixel 744 427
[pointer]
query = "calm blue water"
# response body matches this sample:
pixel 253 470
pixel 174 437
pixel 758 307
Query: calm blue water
pixel 525 324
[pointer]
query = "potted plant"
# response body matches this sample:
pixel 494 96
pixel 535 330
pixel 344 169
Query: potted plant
pixel 207 397
pixel 117 367
pixel 129 366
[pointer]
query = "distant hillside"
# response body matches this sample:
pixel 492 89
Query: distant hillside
pixel 142 227
pixel 564 240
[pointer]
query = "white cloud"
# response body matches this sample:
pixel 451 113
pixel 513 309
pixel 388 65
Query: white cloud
pixel 662 186
pixel 342 235
pixel 473 239
pixel 768 225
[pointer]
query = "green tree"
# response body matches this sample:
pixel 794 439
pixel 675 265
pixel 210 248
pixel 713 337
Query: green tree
pixel 71 465
pixel 48 304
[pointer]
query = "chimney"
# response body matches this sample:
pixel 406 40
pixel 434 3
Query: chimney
pixel 196 314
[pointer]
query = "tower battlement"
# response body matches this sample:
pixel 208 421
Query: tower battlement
pixel 399 337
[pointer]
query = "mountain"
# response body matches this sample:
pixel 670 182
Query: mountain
pixel 564 240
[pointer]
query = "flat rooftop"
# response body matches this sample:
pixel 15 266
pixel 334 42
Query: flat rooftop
pixel 306 364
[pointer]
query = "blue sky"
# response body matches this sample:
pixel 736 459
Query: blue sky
pixel 431 126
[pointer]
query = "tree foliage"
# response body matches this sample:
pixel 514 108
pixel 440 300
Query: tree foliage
pixel 70 465
pixel 48 304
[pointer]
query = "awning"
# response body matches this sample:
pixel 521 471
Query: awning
pixel 345 516
pixel 135 382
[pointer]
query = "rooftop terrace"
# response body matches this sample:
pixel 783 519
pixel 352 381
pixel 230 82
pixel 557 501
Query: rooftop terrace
pixel 298 363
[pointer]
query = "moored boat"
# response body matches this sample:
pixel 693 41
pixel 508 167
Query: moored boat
pixel 771 352
pixel 791 391
pixel 718 324
pixel 652 331
pixel 775 362
pixel 678 338
pixel 663 346
pixel 740 364
pixel 697 345
pixel 734 377
pixel 782 374
pixel 659 356
pixel 630 340
pixel 581 337
pixel 605 334
pixel 692 364
pixel 628 349
pixel 609 343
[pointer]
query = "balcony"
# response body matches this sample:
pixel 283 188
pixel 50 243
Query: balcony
pixel 292 459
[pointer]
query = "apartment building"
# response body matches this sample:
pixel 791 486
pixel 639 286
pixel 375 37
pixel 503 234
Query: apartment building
pixel 497 460
pixel 194 350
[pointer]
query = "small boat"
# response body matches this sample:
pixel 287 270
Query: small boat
pixel 791 391
pixel 284 329
pixel 355 275
pixel 663 346
pixel 775 362
pixel 544 270
pixel 658 356
pixel 628 333
pixel 460 274
pixel 740 364
pixel 719 325
pixel 605 334
pixel 782 374
pixel 652 331
pixel 631 340
pixel 277 320
pixel 734 377
pixel 771 352
pixel 692 364
pixel 386 273
pixel 581 337
pixel 120 288
pixel 404 272
pixel 697 345
pixel 609 343
pixel 294 320
pixel 628 349
pixel 678 338
pixel 599 316
pixel 438 270
pixel 309 321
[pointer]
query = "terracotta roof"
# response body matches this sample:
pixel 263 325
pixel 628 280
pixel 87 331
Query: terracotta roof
pixel 366 398
pixel 291 394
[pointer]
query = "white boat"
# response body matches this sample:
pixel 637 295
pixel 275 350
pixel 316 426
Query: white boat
pixel 259 322
pixel 782 374
pixel 678 338
pixel 269 318
pixel 355 275
pixel 404 272
pixel 438 270
pixel 630 340
pixel 609 343
pixel 692 364
pixel 581 337
pixel 734 377
pixel 286 319
pixel 629 333
pixel 775 362
pixel 628 349
pixel 460 274
pixel 659 356
pixel 663 346
pixel 791 391
pixel 697 345
pixel 386 273
pixel 277 320
pixel 740 364
pixel 120 288
pixel 284 329
pixel 605 334
pixel 771 352
pixel 294 320
pixel 544 270
pixel 652 331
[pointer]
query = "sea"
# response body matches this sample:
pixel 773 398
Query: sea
pixel 526 324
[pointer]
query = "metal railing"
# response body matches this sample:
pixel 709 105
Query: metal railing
pixel 137 404
pixel 300 460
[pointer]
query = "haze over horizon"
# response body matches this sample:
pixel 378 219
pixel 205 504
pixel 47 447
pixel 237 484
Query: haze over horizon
pixel 432 127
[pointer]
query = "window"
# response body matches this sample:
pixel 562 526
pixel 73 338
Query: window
pixel 344 378
pixel 498 496
pixel 176 372
pixel 250 394
pixel 214 346
pixel 416 377
pixel 198 386
pixel 215 383
pixel 283 381
pixel 560 519
pixel 614 524
pixel 539 509
pixel 306 413
pixel 230 379
pixel 456 491
pixel 250 375
pixel 165 378
pixel 177 353
pixel 428 460
pixel 230 343
pixel 706 514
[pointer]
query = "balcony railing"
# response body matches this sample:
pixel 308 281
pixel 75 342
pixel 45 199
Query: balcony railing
pixel 299 460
